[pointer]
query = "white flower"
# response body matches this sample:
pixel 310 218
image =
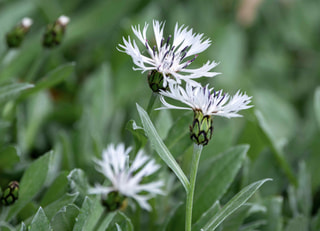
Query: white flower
pixel 169 56
pixel 207 100
pixel 127 179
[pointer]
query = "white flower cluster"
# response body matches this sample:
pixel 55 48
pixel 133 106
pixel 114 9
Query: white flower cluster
pixel 169 57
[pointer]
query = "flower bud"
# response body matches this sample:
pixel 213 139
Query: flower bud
pixel 114 201
pixel 15 37
pixel 155 80
pixel 10 194
pixel 201 129
pixel 55 32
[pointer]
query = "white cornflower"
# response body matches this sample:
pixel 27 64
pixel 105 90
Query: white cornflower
pixel 206 100
pixel 169 57
pixel 125 178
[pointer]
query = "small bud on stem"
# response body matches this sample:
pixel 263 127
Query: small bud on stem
pixel 10 194
pixel 55 32
pixel 15 37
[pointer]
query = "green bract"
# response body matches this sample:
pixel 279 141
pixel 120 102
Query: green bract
pixel 155 81
pixel 201 129
pixel 10 194
pixel 114 201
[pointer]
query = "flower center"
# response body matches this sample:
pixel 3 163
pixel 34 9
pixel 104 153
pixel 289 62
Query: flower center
pixel 113 201
pixel 169 56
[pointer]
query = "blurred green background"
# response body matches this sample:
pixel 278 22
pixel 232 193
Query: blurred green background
pixel 267 48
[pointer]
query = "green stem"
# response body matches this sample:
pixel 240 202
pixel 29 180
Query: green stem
pixel 151 102
pixel 193 175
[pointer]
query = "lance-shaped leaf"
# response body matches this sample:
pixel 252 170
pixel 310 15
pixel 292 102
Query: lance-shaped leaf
pixel 161 148
pixel 233 205
pixel 12 90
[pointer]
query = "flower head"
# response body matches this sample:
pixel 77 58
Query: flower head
pixel 125 179
pixel 169 56
pixel 206 100
pixel 15 37
pixel 55 32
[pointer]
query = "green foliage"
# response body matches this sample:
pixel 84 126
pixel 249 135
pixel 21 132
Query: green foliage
pixel 238 200
pixel 32 181
pixel 40 221
pixel 12 90
pixel 215 177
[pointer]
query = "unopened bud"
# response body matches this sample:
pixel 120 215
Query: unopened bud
pixel 155 80
pixel 201 129
pixel 10 194
pixel 114 201
pixel 16 35
pixel 55 32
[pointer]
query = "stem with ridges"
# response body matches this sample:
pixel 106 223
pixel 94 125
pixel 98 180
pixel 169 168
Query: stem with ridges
pixel 193 175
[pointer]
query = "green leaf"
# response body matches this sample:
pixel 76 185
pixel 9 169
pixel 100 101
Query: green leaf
pixel 34 117
pixel 299 223
pixel 40 221
pixel 55 206
pixel 304 191
pixel 282 122
pixel 235 220
pixel 78 180
pixel 83 214
pixel 276 147
pixel 52 78
pixel 67 154
pixel 215 176
pixel 12 90
pixel 22 227
pixel 274 218
pixel 161 148
pixel 4 226
pixel 65 218
pixel 98 100
pixel 212 211
pixel 139 136
pixel 106 222
pixel 253 226
pixel 8 157
pixel 170 215
pixel 317 105
pixel 95 212
pixel 238 200
pixel 31 183
pixel 315 223
pixel 178 138
pixel 123 222
pixel 56 190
